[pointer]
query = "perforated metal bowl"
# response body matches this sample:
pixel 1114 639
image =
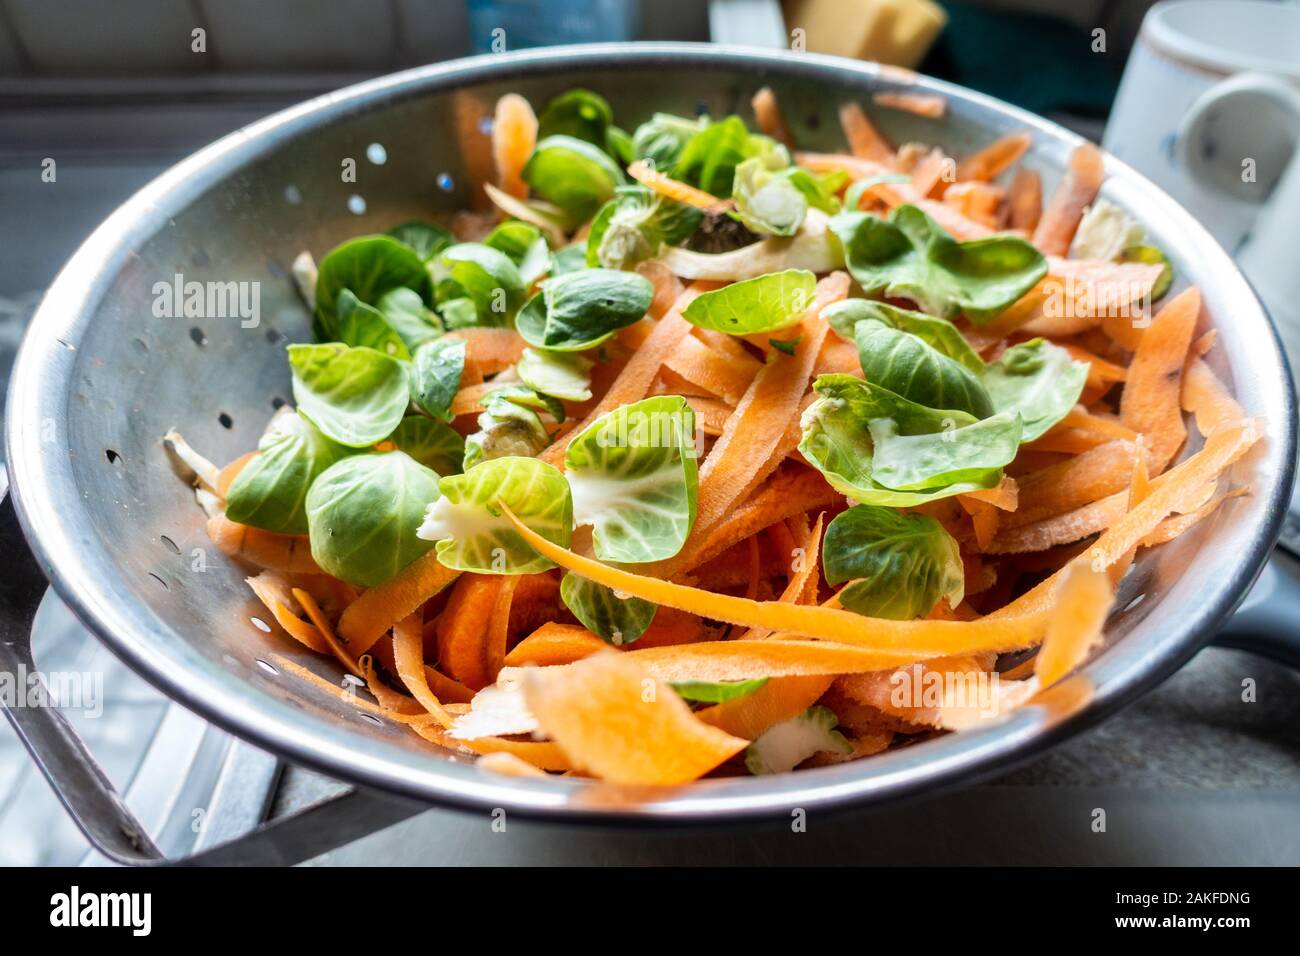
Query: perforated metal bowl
pixel 100 379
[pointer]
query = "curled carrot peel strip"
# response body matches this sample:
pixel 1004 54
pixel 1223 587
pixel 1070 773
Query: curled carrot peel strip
pixel 767 112
pixel 445 688
pixel 672 627
pixel 917 638
pixel 463 626
pixel 1076 296
pixel 865 141
pixel 275 591
pixel 302 632
pixel 1024 201
pixel 755 567
pixel 391 700
pixel 985 520
pixel 774 657
pixel 346 695
pixel 1151 401
pixel 499 625
pixel 1208 399
pixel 1139 488
pixel 778 700
pixel 1182 488
pixel 801 581
pixel 989 162
pixel 711 414
pixel 763 414
pixel 729 345
pixel 1005 495
pixel 725 376
pixel 858 167
pixel 877 691
pixel 609 716
pixel 514 134
pixel 1171 528
pixel 1065 209
pixel 508 765
pixel 929 105
pixel 375 612
pixel 277 552
pixel 1062 487
pixel 1100 372
pixel 932 174
pixel 1069 441
pixel 488 351
pixel 1084 599
pixel 322 623
pixel 979 202
pixel 673 189
pixel 469 400
pixel 787 494
pixel 542 754
pixel 1060 529
pixel 408 654
pixel 553 644
pixel 1108 427
pixel 667 287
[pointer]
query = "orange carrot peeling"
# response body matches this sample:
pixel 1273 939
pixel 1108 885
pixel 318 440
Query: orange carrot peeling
pixel 763 414
pixel 1055 231
pixel 1151 403
pixel 865 141
pixel 767 112
pixel 375 612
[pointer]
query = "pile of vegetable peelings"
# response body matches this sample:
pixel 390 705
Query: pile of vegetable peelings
pixel 693 453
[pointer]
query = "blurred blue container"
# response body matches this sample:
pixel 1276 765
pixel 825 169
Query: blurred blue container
pixel 499 25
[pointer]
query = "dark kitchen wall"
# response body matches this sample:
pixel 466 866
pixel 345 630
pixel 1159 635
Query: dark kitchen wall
pixel 63 38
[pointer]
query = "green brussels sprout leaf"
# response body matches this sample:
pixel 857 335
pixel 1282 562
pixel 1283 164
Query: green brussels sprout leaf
pixel 472 532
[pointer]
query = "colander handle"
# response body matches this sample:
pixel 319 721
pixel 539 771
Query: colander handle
pixel 1268 621
pixel 85 790
pixel 58 749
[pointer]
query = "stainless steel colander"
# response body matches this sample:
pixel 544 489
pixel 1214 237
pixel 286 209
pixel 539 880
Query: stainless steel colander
pixel 100 379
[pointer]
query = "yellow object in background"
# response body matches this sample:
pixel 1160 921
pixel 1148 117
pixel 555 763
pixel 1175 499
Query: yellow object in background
pixel 898 32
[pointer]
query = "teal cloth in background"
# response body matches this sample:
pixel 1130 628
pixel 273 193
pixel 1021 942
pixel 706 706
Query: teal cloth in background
pixel 1037 62
pixel 497 25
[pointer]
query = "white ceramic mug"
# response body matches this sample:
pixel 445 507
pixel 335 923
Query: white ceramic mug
pixel 1209 108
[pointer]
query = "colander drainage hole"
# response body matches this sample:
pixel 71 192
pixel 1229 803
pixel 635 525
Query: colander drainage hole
pixel 261 625
pixel 267 666
pixel 112 456
pixel 278 402
pixel 199 338
pixel 371 718
pixel 169 544
pixel 226 420
pixel 160 581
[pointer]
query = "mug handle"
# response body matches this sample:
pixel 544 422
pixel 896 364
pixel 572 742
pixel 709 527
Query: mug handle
pixel 1276 227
